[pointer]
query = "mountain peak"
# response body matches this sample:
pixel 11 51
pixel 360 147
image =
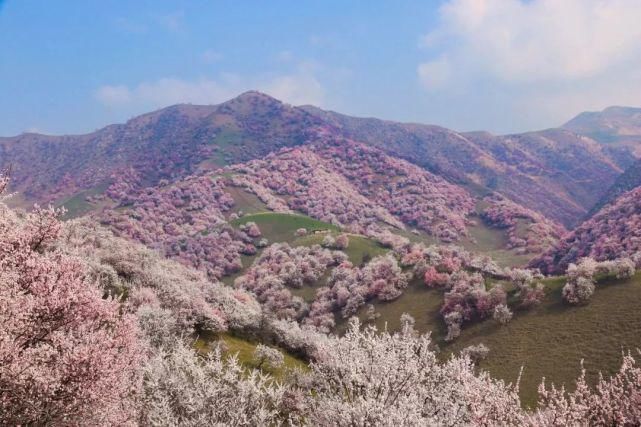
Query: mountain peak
pixel 611 112
pixel 253 96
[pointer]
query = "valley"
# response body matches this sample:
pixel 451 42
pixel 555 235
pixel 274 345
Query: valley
pixel 321 217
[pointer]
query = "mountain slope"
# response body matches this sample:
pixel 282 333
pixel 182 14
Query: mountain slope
pixel 170 143
pixel 613 232
pixel 628 180
pixel 555 172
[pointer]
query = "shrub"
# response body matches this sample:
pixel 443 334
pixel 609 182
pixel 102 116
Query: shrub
pixel 502 314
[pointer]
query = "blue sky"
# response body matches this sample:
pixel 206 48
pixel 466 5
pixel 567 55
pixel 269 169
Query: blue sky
pixel 499 65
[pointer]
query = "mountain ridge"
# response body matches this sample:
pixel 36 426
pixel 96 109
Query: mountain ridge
pixel 555 172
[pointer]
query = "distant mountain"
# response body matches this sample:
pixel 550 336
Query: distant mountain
pixel 618 128
pixel 170 143
pixel 556 172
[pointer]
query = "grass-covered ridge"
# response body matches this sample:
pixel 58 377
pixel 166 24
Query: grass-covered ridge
pixel 280 227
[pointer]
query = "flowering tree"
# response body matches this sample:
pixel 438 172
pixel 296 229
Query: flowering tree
pixel 369 377
pixel 67 356
pixel 342 241
pixel 251 228
pixel 529 292
pixel 613 401
pixel 476 353
pixel 580 285
pixel 265 355
pixel 502 314
pixel 328 241
pixel 184 389
pixel 163 286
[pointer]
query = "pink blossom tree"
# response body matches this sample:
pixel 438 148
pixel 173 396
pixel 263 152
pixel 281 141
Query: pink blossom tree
pixel 67 356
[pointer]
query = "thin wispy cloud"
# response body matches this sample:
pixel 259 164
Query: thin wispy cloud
pixel 210 56
pixel 299 87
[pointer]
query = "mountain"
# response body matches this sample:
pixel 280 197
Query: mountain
pixel 613 232
pixel 170 143
pixel 556 172
pixel 617 128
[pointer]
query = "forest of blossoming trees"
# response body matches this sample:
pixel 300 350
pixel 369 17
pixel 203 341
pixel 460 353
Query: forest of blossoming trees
pixel 352 185
pixel 613 232
pixel 97 330
pixel 334 180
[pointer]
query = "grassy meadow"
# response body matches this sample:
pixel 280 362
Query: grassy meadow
pixel 548 341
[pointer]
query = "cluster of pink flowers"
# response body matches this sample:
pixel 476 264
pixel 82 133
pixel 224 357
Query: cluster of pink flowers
pixel 184 221
pixel 350 287
pixel 415 196
pixel 312 187
pixel 280 267
pixel 536 234
pixel 613 232
pixel 462 277
pixel 529 289
pixel 469 299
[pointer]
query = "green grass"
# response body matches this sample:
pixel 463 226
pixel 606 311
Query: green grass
pixel 77 206
pixel 280 227
pixel 360 248
pixel 547 341
pixel 227 139
pixel 420 302
pixel 245 353
pixel 492 241
pixel 550 340
pixel 245 201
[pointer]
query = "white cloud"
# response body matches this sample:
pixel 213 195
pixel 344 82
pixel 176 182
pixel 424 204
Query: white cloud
pixel 435 74
pixel 542 39
pixel 296 89
pixel 299 87
pixel 558 53
pixel 113 95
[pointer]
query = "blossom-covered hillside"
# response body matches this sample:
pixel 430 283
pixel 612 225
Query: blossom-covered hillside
pixel 528 231
pixel 556 172
pixel 613 232
pixel 135 362
pixel 355 187
pixel 352 185
pixel 170 143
